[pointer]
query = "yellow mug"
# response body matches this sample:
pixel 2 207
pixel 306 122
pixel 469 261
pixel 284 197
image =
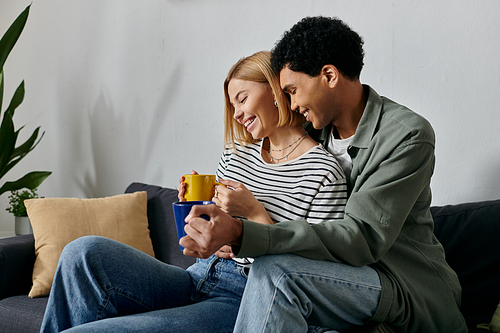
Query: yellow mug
pixel 200 187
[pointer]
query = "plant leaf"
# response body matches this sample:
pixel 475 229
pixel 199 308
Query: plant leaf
pixel 9 154
pixel 21 151
pixel 1 88
pixel 8 139
pixel 29 145
pixel 17 99
pixel 11 36
pixel 31 180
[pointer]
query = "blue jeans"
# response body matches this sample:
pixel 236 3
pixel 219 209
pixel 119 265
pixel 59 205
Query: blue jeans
pixel 105 286
pixel 295 294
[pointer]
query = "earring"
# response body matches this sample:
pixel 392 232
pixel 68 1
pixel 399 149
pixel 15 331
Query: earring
pixel 275 103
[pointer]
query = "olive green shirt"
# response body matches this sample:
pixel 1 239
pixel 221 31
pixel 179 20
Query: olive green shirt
pixel 387 222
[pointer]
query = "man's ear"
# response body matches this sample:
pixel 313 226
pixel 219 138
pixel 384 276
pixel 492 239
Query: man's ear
pixel 331 75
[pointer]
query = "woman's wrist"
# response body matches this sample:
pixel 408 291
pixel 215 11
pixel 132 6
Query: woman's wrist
pixel 259 215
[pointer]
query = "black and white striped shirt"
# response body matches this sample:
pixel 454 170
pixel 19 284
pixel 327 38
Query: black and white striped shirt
pixel 311 187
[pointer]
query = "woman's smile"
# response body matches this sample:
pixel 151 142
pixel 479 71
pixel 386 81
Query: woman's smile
pixel 249 122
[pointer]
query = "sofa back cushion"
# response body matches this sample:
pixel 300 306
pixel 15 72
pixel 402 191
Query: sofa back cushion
pixel 161 223
pixel 470 235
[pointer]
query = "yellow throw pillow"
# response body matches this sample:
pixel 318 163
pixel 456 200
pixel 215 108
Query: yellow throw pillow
pixel 58 221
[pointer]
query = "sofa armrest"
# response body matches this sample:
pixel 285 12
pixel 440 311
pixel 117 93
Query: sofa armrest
pixel 469 235
pixel 17 257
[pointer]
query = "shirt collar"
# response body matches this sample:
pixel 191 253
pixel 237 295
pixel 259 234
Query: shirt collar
pixel 369 120
pixel 366 127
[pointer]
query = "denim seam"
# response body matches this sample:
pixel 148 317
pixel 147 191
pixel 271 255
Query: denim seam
pixel 337 280
pixel 133 299
pixel 105 303
pixel 204 286
pixel 272 301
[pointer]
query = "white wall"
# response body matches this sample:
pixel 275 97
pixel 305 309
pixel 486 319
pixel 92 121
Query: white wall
pixel 131 90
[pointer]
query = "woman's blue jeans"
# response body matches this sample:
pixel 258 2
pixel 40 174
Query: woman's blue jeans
pixel 105 286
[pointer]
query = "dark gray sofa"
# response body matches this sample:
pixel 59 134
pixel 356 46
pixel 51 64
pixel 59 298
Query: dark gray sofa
pixel 468 232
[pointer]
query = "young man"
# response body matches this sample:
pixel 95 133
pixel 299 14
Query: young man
pixel 381 263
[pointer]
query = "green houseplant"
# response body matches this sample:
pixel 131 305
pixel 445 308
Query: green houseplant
pixel 10 154
pixel 16 201
pixel 18 209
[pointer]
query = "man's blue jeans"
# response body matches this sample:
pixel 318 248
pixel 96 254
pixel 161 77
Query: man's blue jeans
pixel 105 286
pixel 289 293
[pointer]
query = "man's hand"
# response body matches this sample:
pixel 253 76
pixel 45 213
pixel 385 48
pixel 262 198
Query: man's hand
pixel 204 238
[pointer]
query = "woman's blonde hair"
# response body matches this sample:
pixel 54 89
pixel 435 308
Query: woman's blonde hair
pixel 257 68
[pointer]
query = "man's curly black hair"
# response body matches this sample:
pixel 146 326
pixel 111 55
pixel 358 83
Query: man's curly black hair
pixel 318 41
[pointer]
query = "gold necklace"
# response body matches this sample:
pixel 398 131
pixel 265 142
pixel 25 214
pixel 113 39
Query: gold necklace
pixel 301 138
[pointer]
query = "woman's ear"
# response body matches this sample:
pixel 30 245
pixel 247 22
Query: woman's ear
pixel 331 75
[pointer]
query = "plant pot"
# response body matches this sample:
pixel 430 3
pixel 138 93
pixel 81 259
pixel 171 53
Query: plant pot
pixel 23 225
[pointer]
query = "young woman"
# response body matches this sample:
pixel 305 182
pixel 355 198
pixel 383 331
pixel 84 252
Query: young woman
pixel 102 285
pixel 274 171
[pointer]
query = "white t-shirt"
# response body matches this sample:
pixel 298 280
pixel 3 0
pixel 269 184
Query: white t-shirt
pixel 338 148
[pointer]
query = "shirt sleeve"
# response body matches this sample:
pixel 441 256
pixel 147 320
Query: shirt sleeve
pixel 221 167
pixel 329 203
pixel 384 193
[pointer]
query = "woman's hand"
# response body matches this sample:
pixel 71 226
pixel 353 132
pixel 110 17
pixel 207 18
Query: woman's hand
pixel 237 200
pixel 182 187
pixel 225 252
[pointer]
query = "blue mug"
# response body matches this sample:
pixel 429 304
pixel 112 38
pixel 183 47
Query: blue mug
pixel 181 211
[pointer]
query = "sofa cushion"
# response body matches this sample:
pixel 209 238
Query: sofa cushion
pixel 162 224
pixel 469 234
pixel 58 221
pixel 20 314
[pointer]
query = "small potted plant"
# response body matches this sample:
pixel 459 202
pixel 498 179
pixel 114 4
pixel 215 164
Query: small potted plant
pixel 18 209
